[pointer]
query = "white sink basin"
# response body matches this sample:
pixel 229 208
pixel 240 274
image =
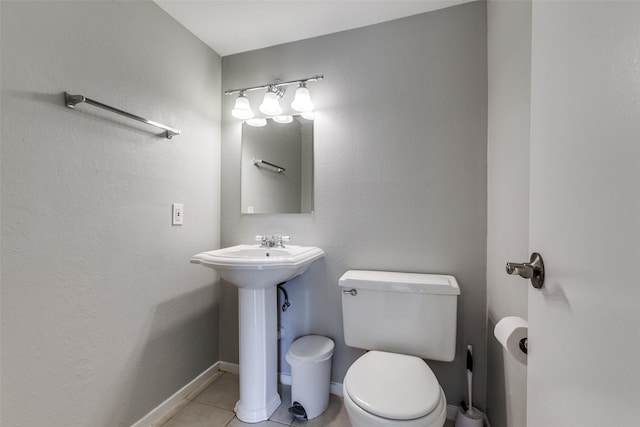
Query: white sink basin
pixel 256 267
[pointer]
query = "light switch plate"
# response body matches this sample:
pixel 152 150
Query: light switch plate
pixel 178 213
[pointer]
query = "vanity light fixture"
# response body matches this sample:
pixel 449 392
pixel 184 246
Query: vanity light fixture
pixel 302 101
pixel 256 122
pixel 242 108
pixel 283 119
pixel 309 115
pixel 271 103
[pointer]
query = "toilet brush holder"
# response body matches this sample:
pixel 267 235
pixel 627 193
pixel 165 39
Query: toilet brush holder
pixel 471 418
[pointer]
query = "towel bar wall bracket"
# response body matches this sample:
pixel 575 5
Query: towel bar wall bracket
pixel 276 168
pixel 72 100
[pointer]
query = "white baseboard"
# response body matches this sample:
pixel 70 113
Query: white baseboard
pixel 232 368
pixel 452 412
pixel 181 398
pixel 161 413
pixel 336 388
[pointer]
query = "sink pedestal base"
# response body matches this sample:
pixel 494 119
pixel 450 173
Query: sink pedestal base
pixel 258 321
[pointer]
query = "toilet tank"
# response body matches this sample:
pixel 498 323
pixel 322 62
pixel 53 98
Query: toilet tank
pixel 408 313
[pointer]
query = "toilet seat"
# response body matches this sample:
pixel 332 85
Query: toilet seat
pixel 361 418
pixel 393 386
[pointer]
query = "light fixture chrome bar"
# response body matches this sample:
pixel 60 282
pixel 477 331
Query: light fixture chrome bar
pixel 278 169
pixel 72 100
pixel 275 84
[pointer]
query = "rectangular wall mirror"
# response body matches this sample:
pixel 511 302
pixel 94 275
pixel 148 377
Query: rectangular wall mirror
pixel 277 167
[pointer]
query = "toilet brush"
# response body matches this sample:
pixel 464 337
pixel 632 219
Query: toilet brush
pixel 470 417
pixel 470 377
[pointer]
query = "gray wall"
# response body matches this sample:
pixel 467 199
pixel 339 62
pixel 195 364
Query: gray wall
pixel 103 317
pixel 509 64
pixel 400 172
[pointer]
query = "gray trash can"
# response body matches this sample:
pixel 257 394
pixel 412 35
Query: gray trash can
pixel 310 360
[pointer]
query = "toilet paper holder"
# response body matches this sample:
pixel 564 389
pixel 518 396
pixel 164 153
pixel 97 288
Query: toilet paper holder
pixel 534 270
pixel 512 333
pixel 524 345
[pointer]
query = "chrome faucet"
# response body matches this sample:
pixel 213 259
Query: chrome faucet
pixel 275 240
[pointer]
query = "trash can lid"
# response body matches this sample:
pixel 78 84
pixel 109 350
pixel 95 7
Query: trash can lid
pixel 312 348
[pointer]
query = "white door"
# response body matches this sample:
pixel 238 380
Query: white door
pixel 584 337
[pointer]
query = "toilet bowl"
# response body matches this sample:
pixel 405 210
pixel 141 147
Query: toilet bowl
pixel 389 389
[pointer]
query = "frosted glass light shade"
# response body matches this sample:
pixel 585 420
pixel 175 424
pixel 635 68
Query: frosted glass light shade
pixel 256 122
pixel 302 100
pixel 309 115
pixel 242 109
pixel 283 119
pixel 270 104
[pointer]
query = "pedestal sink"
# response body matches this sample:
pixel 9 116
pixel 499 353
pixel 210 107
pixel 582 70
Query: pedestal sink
pixel 256 271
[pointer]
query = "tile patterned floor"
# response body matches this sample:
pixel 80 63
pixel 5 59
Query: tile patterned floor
pixel 213 407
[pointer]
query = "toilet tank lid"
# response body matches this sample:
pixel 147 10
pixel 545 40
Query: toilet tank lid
pixel 390 281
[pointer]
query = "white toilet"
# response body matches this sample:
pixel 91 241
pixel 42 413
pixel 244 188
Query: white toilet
pixel 401 318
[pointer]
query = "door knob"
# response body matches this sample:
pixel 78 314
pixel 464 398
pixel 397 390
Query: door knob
pixel 534 270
